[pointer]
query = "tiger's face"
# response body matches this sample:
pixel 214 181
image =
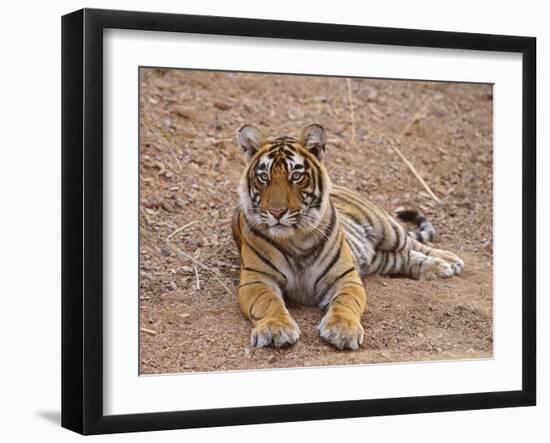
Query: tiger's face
pixel 284 188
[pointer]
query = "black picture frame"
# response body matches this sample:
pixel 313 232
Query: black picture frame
pixel 82 218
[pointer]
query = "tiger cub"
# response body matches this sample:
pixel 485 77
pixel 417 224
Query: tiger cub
pixel 303 238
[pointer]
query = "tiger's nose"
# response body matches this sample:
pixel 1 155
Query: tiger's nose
pixel 277 212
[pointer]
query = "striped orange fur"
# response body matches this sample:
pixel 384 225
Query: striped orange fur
pixel 302 238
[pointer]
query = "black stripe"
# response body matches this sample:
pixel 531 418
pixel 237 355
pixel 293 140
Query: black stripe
pixel 357 303
pixel 383 263
pixel 360 208
pixel 397 231
pixel 288 150
pixel 316 201
pixel 331 264
pixel 356 221
pixel 272 242
pixel 308 234
pixel 348 196
pixel 329 229
pixel 264 259
pixel 313 252
pixel 280 162
pixel 314 183
pixel 343 274
pixel 353 232
pixel 353 247
pixel 252 316
pixel 353 298
pixel 420 264
pixel 251 176
pixel 408 265
pixel 332 216
pixel 267 274
pixel 387 267
pixel 326 247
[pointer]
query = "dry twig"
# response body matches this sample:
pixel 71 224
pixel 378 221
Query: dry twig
pixel 148 331
pixel 351 110
pixel 202 265
pixel 176 158
pixel 198 285
pixel 181 228
pixel 419 114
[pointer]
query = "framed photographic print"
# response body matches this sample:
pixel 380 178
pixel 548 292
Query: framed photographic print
pixel 270 221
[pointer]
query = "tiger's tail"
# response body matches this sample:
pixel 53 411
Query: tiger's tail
pixel 425 232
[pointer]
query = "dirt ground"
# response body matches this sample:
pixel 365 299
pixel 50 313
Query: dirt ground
pixel 190 166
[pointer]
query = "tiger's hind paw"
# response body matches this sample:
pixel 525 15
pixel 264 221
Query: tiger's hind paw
pixel 442 269
pixel 437 269
pixel 435 266
pixel 456 263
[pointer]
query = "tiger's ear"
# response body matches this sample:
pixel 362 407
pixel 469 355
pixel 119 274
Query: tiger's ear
pixel 250 139
pixel 314 139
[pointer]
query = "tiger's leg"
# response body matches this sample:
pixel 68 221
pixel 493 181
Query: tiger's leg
pixel 341 325
pixel 412 263
pixel 261 302
pixel 401 253
pixel 423 267
pixel 447 256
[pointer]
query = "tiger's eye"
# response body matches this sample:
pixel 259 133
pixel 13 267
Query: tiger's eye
pixel 297 176
pixel 263 177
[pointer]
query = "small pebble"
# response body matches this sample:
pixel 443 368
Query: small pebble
pixel 222 106
pixel 295 114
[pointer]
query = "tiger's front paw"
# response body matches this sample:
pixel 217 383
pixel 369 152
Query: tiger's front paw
pixel 278 331
pixel 342 331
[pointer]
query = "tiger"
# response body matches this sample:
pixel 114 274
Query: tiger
pixel 304 239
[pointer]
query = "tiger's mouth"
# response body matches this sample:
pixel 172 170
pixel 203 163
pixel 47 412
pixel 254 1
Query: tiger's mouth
pixel 294 223
pixel 285 226
pixel 301 222
pixel 280 229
